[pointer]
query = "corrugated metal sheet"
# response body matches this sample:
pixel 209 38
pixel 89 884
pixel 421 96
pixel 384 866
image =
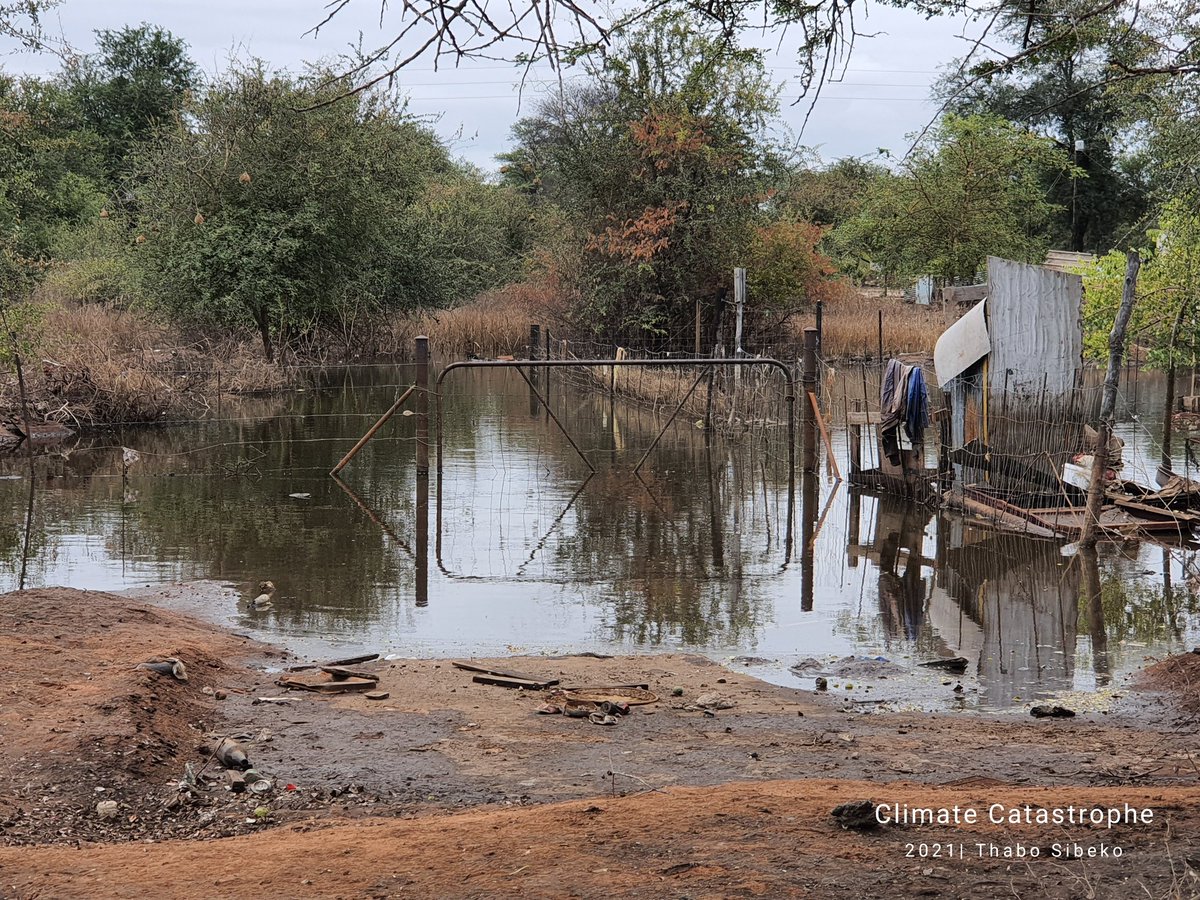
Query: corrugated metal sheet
pixel 1035 327
pixel 961 345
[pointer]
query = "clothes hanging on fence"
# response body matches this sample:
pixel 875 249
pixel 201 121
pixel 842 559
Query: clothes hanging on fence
pixel 916 409
pixel 904 409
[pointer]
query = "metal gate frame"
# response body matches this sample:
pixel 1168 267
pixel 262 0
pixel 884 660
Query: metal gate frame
pixel 521 364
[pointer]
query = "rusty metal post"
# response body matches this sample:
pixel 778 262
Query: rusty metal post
pixel 422 498
pixel 820 324
pixel 535 339
pixel 546 371
pixel 856 443
pixel 808 379
pixel 808 471
pixel 421 587
pixel 422 405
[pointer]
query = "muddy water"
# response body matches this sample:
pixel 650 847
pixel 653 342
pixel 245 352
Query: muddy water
pixel 528 551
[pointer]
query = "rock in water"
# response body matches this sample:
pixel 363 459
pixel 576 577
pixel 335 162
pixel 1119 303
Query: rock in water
pixel 955 664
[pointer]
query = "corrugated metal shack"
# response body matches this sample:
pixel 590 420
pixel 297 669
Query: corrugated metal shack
pixel 1010 369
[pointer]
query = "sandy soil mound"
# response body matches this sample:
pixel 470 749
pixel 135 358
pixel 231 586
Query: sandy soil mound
pixel 80 722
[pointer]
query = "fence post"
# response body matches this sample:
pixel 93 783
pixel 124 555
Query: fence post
pixel 820 324
pixel 739 299
pixel 945 466
pixel 856 443
pixel 881 345
pixel 808 380
pixel 422 404
pixel 697 349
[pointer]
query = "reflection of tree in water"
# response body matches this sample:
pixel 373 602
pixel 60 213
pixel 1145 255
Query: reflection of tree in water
pixel 683 545
pixel 1142 611
pixel 188 518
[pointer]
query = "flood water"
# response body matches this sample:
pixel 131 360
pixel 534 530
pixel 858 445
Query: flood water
pixel 529 552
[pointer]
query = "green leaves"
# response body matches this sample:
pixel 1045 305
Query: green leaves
pixel 1168 282
pixel 974 188
pixel 272 199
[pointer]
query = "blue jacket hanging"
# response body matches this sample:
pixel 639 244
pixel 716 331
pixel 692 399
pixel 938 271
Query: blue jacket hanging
pixel 916 407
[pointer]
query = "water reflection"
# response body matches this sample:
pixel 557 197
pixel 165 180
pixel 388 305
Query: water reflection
pixel 707 548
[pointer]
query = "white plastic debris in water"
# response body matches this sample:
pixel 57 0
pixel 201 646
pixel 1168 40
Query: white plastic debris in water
pixel 300 496
pixel 129 456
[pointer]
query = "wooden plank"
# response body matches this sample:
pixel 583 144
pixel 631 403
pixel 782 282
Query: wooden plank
pixel 1009 508
pixel 329 687
pixel 1001 519
pixel 1158 512
pixel 607 687
pixel 339 673
pixel 825 434
pixel 501 673
pixel 528 684
pixel 348 661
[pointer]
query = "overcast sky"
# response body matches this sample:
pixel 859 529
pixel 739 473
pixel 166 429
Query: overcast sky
pixel 883 97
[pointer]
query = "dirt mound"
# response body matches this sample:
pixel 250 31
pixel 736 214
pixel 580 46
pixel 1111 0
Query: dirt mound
pixel 80 722
pixel 1178 676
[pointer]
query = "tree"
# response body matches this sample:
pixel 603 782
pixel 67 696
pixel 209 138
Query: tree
pixel 975 187
pixel 830 197
pixel 51 176
pixel 132 84
pixel 21 21
pixel 663 169
pixel 264 205
pixel 1059 94
pixel 1168 285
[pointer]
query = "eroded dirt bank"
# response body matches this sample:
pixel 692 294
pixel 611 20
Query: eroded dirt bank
pixel 451 788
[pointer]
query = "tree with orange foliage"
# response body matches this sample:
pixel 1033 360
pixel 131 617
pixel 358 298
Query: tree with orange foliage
pixel 664 168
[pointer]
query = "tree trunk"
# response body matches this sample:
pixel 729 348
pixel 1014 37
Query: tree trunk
pixel 264 329
pixel 1116 348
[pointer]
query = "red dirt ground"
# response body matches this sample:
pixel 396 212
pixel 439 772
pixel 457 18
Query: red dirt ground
pixel 454 789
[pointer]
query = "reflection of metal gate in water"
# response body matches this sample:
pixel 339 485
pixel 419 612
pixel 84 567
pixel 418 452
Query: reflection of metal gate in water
pixel 707 366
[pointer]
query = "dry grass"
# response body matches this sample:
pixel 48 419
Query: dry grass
pixel 735 406
pixel 851 325
pixel 96 365
pixel 494 324
pixel 497 324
